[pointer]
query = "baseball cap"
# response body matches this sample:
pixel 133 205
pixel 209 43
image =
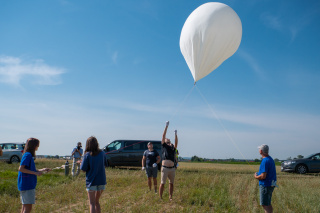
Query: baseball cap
pixel 264 148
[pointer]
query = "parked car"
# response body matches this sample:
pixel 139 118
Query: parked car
pixel 12 152
pixel 128 152
pixel 302 166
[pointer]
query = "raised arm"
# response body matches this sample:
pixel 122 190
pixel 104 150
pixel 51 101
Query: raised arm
pixel 175 139
pixel 165 132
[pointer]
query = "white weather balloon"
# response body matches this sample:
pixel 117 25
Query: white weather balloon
pixel 211 34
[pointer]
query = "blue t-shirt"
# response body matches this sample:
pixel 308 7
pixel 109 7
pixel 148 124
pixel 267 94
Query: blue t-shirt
pixel 151 157
pixel 267 165
pixel 27 181
pixel 94 166
pixel 76 154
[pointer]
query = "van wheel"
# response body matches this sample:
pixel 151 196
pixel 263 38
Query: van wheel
pixel 112 167
pixel 14 159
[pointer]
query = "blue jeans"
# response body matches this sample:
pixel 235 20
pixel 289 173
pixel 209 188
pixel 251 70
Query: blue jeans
pixel 265 195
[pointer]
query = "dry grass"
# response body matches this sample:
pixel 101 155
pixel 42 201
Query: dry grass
pixel 199 187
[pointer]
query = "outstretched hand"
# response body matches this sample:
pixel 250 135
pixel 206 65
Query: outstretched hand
pixel 175 132
pixel 167 123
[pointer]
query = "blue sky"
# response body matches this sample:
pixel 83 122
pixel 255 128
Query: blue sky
pixel 113 69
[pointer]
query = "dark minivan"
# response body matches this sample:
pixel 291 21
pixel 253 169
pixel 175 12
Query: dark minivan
pixel 128 152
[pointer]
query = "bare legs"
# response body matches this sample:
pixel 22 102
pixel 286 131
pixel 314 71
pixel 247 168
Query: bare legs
pixel 26 208
pixel 154 183
pixel 94 197
pixel 161 188
pixel 170 190
pixel 268 209
pixel 149 183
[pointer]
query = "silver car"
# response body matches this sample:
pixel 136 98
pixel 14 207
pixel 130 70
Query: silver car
pixel 302 166
pixel 12 152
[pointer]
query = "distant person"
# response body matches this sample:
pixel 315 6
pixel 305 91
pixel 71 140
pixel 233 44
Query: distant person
pixel 168 162
pixel 150 161
pixel 27 177
pixel 77 154
pixel 267 178
pixel 94 163
pixel 177 155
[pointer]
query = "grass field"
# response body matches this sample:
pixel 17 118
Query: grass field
pixel 199 187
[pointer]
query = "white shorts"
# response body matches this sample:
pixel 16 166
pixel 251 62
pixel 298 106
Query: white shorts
pixel 96 188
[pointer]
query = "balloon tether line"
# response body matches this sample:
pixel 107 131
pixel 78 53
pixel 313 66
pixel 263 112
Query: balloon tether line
pixel 181 104
pixel 221 124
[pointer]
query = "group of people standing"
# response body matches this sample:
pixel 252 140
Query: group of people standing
pixel 151 158
pixel 94 162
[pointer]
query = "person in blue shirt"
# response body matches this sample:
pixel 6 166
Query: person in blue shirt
pixel 150 161
pixel 77 153
pixel 94 163
pixel 267 178
pixel 27 177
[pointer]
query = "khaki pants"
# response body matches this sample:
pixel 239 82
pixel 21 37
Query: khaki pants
pixel 74 165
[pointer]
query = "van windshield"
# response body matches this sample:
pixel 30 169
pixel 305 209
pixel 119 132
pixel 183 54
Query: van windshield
pixel 114 146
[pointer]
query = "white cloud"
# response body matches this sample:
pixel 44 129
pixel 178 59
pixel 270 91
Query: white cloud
pixel 292 26
pixel 60 124
pixel 252 63
pixel 272 21
pixel 13 70
pixel 115 57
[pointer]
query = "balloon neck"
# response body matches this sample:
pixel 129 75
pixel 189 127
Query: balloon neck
pixel 194 83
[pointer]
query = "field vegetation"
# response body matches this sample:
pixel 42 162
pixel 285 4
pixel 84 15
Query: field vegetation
pixel 199 187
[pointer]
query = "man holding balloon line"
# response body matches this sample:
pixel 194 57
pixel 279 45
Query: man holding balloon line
pixel 168 158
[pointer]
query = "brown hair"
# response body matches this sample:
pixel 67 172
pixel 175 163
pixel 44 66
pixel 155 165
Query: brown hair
pixel 31 145
pixel 92 146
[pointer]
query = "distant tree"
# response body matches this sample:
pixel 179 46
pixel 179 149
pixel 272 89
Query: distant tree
pixel 300 156
pixel 256 160
pixel 232 160
pixel 276 160
pixel 196 159
pixel 289 158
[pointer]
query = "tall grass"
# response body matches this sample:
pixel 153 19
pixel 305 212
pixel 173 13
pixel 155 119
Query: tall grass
pixel 199 187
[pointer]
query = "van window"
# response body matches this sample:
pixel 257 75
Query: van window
pixel 114 146
pixel 132 145
pixel 157 146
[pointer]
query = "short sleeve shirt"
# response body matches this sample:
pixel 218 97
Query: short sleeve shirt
pixel 151 157
pixel 94 166
pixel 267 165
pixel 76 154
pixel 27 181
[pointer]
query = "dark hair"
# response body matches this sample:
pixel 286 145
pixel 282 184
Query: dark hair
pixel 92 146
pixel 31 145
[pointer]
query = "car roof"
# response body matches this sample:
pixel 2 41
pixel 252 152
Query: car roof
pixel 12 142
